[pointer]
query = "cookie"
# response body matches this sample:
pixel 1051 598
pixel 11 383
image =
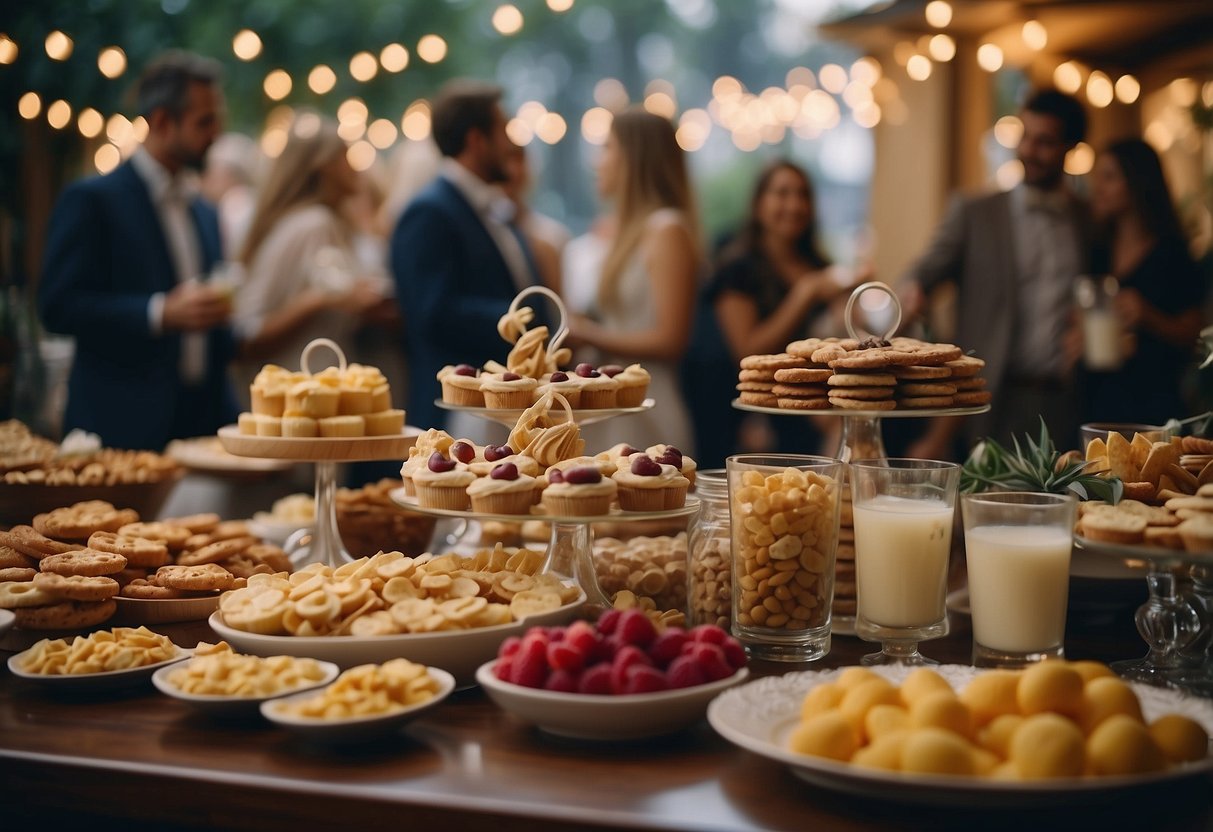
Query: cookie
pixel 844 606
pixel 1166 536
pixel 88 562
pixel 754 386
pixel 803 404
pixel 77 522
pixel 30 542
pixel 866 393
pixel 877 358
pixel 1114 527
pixel 15 595
pixel 759 399
pixel 803 375
pixel 965 366
pixel 271 555
pixel 845 552
pixel 76 587
pixel 172 536
pixel 914 389
pixel 138 551
pixel 17 574
pixel 808 347
pixel 215 552
pixel 10 558
pixel 243 566
pixel 196 523
pixel 128 575
pixel 863 404
pixel 801 391
pixel 229 529
pixel 205 576
pixel 757 375
pixel 68 615
pixel 970 383
pixel 973 398
pixel 145 590
pixel 862 380
pixel 779 361
pixel 924 402
pixel 919 372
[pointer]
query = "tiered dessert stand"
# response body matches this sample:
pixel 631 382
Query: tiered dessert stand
pixel 325 546
pixel 861 429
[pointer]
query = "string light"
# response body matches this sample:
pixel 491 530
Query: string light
pixel 8 49
pixel 361 155
pixel 833 78
pixel 865 71
pixel 29 105
pixel 942 48
pixel 111 62
pixel 989 57
pixel 415 124
pixel 90 123
pixel 1127 89
pixel 431 49
pixel 1035 35
pixel 273 141
pixel 381 133
pixel 919 68
pixel 560 6
pixel 59 114
pixel 939 13
pixel 611 94
pixel 507 19
pixel 1080 159
pixel 321 79
pixel 660 104
pixel 596 125
pixel 519 131
pixel 353 110
pixel 363 67
pixel 1068 77
pixel 394 57
pixel 246 44
pixel 106 158
pixel 1100 91
pixel 58 46
pixel 551 128
pixel 277 85
pixel 118 129
pixel 1009 174
pixel 1008 130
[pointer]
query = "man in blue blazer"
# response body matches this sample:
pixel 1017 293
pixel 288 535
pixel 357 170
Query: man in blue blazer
pixel 457 259
pixel 126 260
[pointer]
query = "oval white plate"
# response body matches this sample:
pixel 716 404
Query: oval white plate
pixel 596 717
pixel 94 681
pixel 458 651
pixel 233 705
pixel 760 716
pixel 356 729
pixel 275 531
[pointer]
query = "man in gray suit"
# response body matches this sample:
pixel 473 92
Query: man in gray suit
pixel 1013 258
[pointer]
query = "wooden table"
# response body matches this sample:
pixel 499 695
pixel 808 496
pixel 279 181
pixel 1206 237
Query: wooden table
pixel 140 760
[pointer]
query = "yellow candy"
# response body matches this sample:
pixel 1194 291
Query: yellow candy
pixel 942 710
pixel 997 735
pixel 1089 670
pixel 921 682
pixel 1047 745
pixel 1050 686
pixel 862 698
pixel 884 753
pixel 1122 745
pixel 854 677
pixel 820 699
pixel 992 695
pixel 1104 697
pixel 936 751
pixel 1181 739
pixel 883 720
pixel 827 735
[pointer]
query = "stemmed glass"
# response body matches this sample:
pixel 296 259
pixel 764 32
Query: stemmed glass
pixel 903 510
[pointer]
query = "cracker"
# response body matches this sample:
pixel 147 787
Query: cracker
pixel 87 562
pixel 204 576
pixel 866 393
pixel 915 389
pixel 778 361
pixel 217 551
pixel 924 402
pixel 138 551
pixel 862 380
pixel 32 543
pixel 76 587
pixel 919 372
pixel 759 399
pixel 973 398
pixel 18 574
pixel 754 386
pixel 801 391
pixel 803 404
pixel 757 375
pixel 803 375
pixel 10 558
pixel 196 523
pixel 19 594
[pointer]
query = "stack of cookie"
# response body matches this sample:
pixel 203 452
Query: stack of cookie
pixel 63 571
pixel 845 599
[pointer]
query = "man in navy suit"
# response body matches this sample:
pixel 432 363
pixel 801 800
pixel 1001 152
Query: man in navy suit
pixel 457 259
pixel 126 260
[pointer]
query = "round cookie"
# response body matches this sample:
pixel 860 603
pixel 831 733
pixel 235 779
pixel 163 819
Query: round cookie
pixel 138 551
pixel 243 566
pixel 915 389
pixel 779 361
pixel 877 358
pixel 921 372
pixel 273 556
pixel 171 535
pixel 973 398
pixel 801 391
pixel 862 380
pixel 144 590
pixel 68 615
pixel 15 595
pixel 205 576
pixel 757 375
pixel 803 404
pixel 10 558
pixel 215 552
pixel 863 404
pixel 803 375
pixel 76 587
pixel 867 393
pixel 88 562
pixel 965 366
pixel 754 386
pixel 759 399
pixel 78 521
pixel 196 523
pixel 30 542
pixel 18 574
pixel 968 384
pixel 925 402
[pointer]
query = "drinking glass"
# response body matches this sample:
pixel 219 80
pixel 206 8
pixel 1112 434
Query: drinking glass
pixel 903 510
pixel 783 513
pixel 1101 327
pixel 1017 545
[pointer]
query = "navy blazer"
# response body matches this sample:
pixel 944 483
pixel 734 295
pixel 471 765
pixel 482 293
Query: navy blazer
pixel 453 284
pixel 106 255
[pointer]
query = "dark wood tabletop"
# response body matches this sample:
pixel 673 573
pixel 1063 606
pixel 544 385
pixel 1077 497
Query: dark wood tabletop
pixel 139 760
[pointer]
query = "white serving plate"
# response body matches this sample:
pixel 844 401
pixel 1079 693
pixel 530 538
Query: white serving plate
pixel 459 652
pixel 596 717
pixel 356 729
pixel 109 680
pixel 761 715
pixel 233 705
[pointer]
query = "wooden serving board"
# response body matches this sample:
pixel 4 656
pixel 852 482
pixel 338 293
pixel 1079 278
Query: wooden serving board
pixel 336 449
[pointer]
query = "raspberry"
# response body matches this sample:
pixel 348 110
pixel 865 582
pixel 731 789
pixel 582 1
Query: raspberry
pixel 608 621
pixel 563 656
pixel 608 647
pixel 581 635
pixel 734 653
pixel 684 672
pixel 509 647
pixel 636 628
pixel 531 662
pixel 709 633
pixel 563 681
pixel 596 680
pixel 627 656
pixel 711 661
pixel 554 634
pixel 504 668
pixel 667 646
pixel 642 679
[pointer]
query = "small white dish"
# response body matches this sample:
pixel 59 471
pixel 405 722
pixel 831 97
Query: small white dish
pixel 458 651
pixel 233 705
pixel 263 525
pixel 109 680
pixel 7 617
pixel 357 729
pixel 596 717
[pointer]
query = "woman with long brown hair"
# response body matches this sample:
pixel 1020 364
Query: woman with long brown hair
pixel 302 279
pixel 646 294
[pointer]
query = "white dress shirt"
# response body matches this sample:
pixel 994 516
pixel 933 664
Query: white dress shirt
pixel 171 197
pixel 494 210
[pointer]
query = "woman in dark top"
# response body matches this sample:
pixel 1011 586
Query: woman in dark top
pixel 772 280
pixel 1161 291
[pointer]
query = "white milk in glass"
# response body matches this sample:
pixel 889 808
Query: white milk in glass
pixel 1018 580
pixel 901 560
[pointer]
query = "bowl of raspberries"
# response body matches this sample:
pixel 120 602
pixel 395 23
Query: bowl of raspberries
pixel 619 679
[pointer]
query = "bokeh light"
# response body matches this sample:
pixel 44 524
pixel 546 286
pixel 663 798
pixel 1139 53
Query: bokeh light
pixel 246 44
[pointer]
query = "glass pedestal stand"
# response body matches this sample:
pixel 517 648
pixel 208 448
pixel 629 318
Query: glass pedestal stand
pixel 325 546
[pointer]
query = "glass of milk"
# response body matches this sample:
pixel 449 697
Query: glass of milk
pixel 903 511
pixel 1017 546
pixel 1101 328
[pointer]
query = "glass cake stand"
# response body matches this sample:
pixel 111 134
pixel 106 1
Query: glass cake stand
pixel 509 417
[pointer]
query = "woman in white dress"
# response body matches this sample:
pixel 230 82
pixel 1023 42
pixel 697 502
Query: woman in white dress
pixel 302 277
pixel 646 295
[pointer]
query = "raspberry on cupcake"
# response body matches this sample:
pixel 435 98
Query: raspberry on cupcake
pixel 579 491
pixel 647 485
pixel 461 385
pixel 506 490
pixel 443 483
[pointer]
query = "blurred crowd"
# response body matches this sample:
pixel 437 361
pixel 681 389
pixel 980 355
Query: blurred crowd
pixel 198 260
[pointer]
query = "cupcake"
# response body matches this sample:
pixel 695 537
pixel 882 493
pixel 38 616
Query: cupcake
pixel 268 390
pixel 461 386
pixel 633 383
pixel 669 455
pixel 506 490
pixel 268 425
pixel 579 491
pixel 493 456
pixel 605 465
pixel 419 454
pixel 296 424
pixel 342 426
pixel 313 398
pixel 597 391
pixel 443 483
pixel 507 391
pixel 647 485
pixel 353 401
pixel 247 423
pixel 564 384
pixel 618 455
pixel 384 422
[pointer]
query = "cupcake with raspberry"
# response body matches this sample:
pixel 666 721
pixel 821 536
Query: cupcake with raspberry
pixel 560 382
pixel 494 455
pixel 669 455
pixel 419 455
pixel 647 485
pixel 461 385
pixel 633 382
pixel 605 465
pixel 618 455
pixel 578 491
pixel 507 391
pixel 506 490
pixel 443 483
pixel 598 392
